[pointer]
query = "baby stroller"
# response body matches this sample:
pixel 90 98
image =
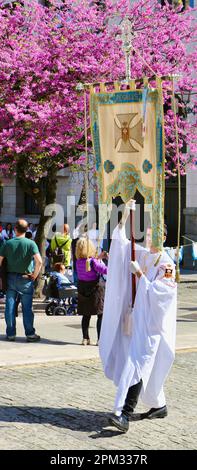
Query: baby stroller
pixel 61 301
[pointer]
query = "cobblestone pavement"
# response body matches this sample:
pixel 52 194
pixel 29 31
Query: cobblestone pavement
pixel 187 299
pixel 65 406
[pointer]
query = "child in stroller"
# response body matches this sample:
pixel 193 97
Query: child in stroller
pixel 61 292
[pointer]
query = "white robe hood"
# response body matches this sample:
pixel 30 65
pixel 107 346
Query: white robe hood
pixel 149 352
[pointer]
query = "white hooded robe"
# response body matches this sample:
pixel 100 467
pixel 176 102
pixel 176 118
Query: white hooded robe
pixel 149 352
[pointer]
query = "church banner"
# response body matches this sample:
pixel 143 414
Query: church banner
pixel 127 133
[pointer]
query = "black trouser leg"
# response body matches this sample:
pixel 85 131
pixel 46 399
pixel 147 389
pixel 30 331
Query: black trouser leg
pixel 98 325
pixel 85 326
pixel 132 399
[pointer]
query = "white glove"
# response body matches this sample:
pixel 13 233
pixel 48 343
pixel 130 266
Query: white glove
pixel 131 204
pixel 134 267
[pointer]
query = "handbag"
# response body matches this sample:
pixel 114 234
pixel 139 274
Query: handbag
pixel 100 294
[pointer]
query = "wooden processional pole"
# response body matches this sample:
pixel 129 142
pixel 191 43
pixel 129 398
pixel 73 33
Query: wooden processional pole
pixel 127 36
pixel 132 235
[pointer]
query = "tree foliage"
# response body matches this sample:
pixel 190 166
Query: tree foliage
pixel 45 52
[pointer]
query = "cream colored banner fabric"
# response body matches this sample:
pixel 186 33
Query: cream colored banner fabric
pixel 122 141
pixel 127 132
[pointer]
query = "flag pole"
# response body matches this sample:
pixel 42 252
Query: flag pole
pixel 126 37
pixel 133 254
pixel 179 179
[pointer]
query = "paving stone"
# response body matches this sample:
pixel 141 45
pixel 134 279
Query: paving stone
pixel 66 406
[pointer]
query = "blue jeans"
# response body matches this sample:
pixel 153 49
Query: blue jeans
pixel 17 284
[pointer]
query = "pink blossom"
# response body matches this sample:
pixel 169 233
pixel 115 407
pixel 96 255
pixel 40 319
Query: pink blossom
pixel 45 54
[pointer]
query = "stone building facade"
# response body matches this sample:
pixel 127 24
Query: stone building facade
pixel 15 203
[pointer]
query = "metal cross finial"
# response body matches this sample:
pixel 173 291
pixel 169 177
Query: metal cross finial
pixel 126 37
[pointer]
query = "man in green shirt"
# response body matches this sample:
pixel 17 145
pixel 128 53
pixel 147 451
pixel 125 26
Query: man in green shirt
pixel 23 263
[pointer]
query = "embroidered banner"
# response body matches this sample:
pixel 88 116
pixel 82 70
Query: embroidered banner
pixel 128 149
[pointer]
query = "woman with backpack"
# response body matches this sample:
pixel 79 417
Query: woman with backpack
pixel 91 288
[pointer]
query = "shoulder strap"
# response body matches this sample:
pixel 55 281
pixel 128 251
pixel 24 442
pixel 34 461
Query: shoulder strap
pixel 56 242
pixel 64 243
pixel 93 266
pixel 100 276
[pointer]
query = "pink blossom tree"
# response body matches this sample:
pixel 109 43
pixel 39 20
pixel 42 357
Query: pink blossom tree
pixel 45 52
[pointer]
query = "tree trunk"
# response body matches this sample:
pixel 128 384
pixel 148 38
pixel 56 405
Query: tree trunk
pixel 50 198
pixel 43 195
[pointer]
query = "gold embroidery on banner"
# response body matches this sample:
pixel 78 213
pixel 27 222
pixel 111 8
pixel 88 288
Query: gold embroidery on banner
pixel 125 133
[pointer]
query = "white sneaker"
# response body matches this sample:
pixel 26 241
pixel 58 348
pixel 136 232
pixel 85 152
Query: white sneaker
pixel 85 342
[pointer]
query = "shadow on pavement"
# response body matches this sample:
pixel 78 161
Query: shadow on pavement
pixel 191 309
pixel 70 418
pixel 22 339
pixel 186 320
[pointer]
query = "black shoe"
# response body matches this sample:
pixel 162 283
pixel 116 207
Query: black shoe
pixel 33 338
pixel 10 338
pixel 157 413
pixel 120 422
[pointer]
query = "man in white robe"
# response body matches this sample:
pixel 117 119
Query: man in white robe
pixel 138 363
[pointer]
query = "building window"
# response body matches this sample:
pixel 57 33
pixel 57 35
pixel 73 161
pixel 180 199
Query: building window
pixel 31 208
